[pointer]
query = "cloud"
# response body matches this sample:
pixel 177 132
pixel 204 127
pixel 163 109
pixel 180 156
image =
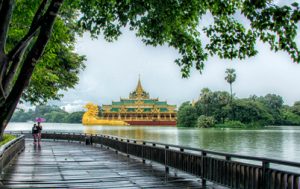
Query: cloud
pixel 113 68
pixel 72 107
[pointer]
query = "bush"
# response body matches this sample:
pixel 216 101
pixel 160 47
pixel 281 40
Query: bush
pixel 6 139
pixel 186 116
pixel 290 118
pixel 232 124
pixel 205 121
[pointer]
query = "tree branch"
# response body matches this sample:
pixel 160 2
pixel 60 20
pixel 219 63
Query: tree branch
pixel 5 17
pixel 2 95
pixel 35 25
pixel 32 57
pixel 16 54
pixel 1 1
pixel 39 13
pixel 15 63
pixel 3 66
pixel 27 68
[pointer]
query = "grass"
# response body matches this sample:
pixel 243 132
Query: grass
pixel 6 139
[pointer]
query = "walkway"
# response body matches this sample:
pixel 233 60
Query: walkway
pixel 73 165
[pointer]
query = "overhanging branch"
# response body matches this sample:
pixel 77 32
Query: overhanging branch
pixel 16 53
pixel 35 25
pixel 35 52
pixel 1 1
pixel 5 17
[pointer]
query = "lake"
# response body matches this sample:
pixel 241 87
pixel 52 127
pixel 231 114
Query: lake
pixel 282 142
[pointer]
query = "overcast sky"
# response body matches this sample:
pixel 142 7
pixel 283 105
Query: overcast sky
pixel 112 71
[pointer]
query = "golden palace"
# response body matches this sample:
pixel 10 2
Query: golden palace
pixel 138 109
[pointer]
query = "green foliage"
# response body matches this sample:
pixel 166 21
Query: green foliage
pixel 186 116
pixel 274 105
pixel 6 138
pixel 247 111
pixel 290 117
pixel 52 114
pixel 213 104
pixel 179 24
pixel 296 108
pixel 74 117
pixel 60 65
pixel 231 75
pixel 230 78
pixel 46 62
pixel 252 112
pixel 205 121
pixel 231 124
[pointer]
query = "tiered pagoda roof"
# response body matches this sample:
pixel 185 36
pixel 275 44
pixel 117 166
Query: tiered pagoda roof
pixel 139 101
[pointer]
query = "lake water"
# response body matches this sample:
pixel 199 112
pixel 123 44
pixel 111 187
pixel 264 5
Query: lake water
pixel 273 142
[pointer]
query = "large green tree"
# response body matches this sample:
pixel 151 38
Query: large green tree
pixel 187 115
pixel 274 104
pixel 37 37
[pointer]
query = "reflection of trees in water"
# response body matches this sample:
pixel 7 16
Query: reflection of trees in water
pixel 279 144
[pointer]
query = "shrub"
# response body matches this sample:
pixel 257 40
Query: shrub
pixel 232 124
pixel 205 121
pixel 6 139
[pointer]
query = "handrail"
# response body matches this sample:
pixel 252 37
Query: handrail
pixel 10 143
pixel 203 163
pixel 9 150
pixel 232 155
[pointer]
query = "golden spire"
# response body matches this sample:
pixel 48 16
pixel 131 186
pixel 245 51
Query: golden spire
pixel 139 89
pixel 139 92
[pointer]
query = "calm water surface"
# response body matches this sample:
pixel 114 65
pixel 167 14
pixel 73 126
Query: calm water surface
pixel 273 142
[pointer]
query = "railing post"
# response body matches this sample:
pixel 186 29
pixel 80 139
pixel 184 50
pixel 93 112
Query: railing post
pixel 101 140
pixel 166 165
pixel 265 167
pixel 203 169
pixel 144 161
pixel 115 146
pixel 127 148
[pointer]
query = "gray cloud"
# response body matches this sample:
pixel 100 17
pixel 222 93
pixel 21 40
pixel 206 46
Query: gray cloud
pixel 113 69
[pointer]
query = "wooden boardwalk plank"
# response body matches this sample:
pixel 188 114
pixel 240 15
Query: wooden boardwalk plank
pixel 74 165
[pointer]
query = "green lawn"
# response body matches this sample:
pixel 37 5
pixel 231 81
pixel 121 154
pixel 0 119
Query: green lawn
pixel 6 139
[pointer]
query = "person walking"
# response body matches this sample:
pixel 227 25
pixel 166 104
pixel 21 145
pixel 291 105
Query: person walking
pixel 39 134
pixel 35 133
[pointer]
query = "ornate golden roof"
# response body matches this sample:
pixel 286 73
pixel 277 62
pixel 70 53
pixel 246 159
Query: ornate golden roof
pixel 139 92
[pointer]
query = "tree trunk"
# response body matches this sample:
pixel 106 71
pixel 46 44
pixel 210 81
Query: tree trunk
pixel 7 111
pixel 8 105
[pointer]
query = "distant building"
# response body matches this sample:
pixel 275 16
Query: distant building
pixel 140 109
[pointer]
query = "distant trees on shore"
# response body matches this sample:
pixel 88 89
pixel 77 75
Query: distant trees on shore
pixel 214 109
pixel 52 114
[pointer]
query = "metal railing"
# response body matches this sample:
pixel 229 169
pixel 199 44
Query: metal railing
pixel 9 150
pixel 230 170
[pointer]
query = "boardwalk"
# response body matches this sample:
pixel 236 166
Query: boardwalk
pixel 73 165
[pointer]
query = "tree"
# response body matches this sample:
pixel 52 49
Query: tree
pixel 74 117
pixel 37 38
pixel 230 78
pixel 296 108
pixel 274 105
pixel 248 112
pixel 186 115
pixel 213 104
pixel 205 121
